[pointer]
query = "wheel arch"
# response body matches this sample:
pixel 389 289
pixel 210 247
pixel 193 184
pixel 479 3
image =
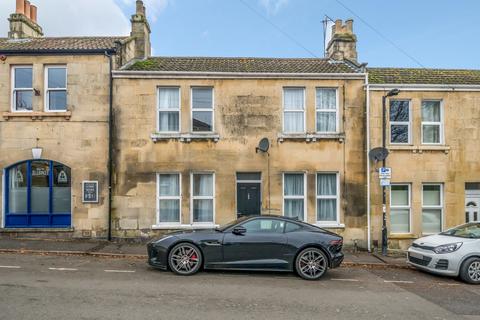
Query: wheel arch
pixel 180 241
pixel 312 245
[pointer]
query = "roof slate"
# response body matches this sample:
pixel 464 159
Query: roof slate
pixel 242 65
pixel 58 44
pixel 423 76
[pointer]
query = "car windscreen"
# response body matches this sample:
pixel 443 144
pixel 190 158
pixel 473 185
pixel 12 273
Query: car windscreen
pixel 469 230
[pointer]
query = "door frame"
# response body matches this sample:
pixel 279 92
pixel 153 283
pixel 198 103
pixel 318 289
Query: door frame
pixel 248 181
pixel 472 194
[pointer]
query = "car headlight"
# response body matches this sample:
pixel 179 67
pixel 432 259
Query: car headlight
pixel 447 248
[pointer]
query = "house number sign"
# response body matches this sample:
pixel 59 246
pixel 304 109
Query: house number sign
pixel 90 191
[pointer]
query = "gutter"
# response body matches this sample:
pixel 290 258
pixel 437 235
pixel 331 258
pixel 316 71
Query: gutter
pixel 232 75
pixel 60 52
pixel 110 147
pixel 424 87
pixel 369 226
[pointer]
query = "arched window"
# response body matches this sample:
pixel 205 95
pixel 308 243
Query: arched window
pixel 38 195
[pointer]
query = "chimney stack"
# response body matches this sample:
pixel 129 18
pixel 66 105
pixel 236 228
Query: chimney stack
pixel 141 32
pixel 23 23
pixel 343 44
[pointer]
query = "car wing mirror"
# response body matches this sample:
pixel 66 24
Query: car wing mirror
pixel 239 231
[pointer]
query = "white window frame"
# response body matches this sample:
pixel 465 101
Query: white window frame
pixel 440 207
pixel 409 123
pixel 409 207
pixel 336 197
pixel 212 110
pixel 303 111
pixel 439 124
pixel 13 89
pixel 169 109
pixel 192 198
pixel 47 89
pixel 179 198
pixel 337 108
pixel 304 197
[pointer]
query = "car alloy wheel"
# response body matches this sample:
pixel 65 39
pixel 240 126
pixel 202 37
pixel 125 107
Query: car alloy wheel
pixel 474 271
pixel 185 259
pixel 470 271
pixel 311 264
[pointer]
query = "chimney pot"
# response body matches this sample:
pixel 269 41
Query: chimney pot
pixel 20 7
pixel 349 24
pixel 27 9
pixel 33 13
pixel 140 9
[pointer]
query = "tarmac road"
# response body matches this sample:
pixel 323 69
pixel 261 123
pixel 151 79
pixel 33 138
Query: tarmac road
pixel 75 287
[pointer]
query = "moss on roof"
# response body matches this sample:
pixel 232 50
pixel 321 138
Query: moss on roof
pixel 423 76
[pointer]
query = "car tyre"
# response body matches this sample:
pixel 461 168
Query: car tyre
pixel 470 270
pixel 185 259
pixel 311 264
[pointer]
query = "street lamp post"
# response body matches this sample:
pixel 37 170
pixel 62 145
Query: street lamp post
pixel 390 93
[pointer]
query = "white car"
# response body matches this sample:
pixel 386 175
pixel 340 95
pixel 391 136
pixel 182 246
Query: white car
pixel 455 252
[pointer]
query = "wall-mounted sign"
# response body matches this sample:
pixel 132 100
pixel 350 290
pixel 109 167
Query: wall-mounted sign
pixel 385 182
pixel 90 191
pixel 385 173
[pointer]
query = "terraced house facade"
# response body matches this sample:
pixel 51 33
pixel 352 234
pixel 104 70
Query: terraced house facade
pixel 151 144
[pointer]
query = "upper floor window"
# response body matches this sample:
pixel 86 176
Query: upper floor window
pixel 432 126
pixel 400 121
pixel 56 88
pixel 294 110
pixel 22 93
pixel 202 109
pixel 168 109
pixel 327 110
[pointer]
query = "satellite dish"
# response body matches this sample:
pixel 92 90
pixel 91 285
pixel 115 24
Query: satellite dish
pixel 263 145
pixel 378 154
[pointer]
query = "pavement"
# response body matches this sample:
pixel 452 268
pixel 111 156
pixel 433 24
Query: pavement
pixel 50 287
pixel 138 250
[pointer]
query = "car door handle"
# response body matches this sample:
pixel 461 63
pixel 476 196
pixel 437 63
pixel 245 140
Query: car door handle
pixel 212 243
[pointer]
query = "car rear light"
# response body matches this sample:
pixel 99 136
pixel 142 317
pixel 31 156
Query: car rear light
pixel 336 242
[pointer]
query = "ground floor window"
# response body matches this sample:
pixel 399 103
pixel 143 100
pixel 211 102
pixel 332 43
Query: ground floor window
pixel 400 208
pixel 432 208
pixel 294 195
pixel 203 194
pixel 169 199
pixel 38 194
pixel 327 198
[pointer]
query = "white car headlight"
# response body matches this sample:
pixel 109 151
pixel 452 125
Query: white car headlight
pixel 447 248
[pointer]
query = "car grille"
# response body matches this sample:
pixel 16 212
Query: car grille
pixel 415 245
pixel 442 264
pixel 422 262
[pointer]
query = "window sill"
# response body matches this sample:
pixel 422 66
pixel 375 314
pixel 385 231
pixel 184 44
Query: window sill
pixel 185 137
pixel 29 230
pixel 311 137
pixel 166 226
pixel 420 149
pixel 401 236
pixel 38 115
pixel 331 226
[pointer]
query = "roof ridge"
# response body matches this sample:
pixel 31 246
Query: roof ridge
pixel 236 58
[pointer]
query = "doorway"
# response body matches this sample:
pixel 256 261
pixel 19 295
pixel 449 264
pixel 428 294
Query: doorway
pixel 472 202
pixel 249 193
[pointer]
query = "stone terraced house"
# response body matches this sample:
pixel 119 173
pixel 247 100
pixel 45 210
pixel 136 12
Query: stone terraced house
pixel 98 139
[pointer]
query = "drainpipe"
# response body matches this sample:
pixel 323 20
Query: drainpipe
pixel 369 226
pixel 110 146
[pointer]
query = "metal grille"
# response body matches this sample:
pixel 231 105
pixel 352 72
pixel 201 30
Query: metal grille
pixel 442 264
pixel 422 262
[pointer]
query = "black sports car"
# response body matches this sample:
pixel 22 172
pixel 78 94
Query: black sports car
pixel 250 243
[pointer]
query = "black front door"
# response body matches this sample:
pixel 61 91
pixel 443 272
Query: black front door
pixel 248 198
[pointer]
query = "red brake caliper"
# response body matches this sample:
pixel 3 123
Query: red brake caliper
pixel 193 257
